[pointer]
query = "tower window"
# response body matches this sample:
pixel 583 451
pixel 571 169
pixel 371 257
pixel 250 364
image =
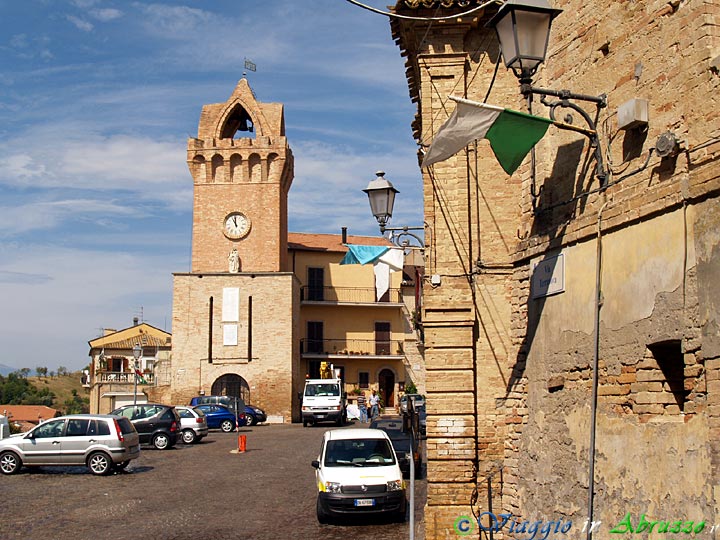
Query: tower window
pixel 238 122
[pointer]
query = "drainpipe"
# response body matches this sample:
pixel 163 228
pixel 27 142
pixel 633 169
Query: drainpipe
pixel 596 357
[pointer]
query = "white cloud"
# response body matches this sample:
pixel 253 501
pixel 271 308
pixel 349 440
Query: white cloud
pixel 80 24
pixel 105 14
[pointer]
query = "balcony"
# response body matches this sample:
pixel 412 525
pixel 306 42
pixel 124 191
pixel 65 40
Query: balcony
pixel 349 296
pixel 354 348
pixel 123 377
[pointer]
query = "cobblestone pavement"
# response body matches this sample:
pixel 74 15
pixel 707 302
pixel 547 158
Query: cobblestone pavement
pixel 203 491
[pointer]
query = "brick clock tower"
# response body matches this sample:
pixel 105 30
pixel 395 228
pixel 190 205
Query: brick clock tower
pixel 235 313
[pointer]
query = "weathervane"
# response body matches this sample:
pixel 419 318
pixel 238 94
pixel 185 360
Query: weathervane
pixel 249 65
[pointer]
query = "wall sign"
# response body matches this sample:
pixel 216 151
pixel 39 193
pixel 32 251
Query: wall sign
pixel 548 276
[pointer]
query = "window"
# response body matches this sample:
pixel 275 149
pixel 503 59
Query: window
pixel 364 379
pixel 382 338
pixel 53 428
pixel 669 357
pixel 316 278
pixel 315 337
pixel 77 427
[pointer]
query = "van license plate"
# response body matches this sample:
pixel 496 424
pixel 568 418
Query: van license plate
pixel 364 502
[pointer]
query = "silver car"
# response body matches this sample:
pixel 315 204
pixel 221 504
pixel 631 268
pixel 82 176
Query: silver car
pixel 193 425
pixel 101 442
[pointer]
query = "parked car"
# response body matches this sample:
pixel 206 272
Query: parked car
pixel 417 400
pixel 156 424
pixel 219 416
pixel 103 443
pixel 193 426
pixel 254 415
pixel 404 444
pixel 357 472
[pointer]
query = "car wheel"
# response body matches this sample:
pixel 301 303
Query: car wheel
pixel 10 463
pixel 227 426
pixel 161 441
pixel 99 463
pixel 188 436
pixel 251 420
pixel 322 515
pixel 305 423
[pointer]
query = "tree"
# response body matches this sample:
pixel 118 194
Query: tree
pixel 41 371
pixel 62 370
pixel 24 372
pixel 76 404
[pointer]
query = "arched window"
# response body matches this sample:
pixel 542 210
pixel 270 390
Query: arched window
pixel 238 124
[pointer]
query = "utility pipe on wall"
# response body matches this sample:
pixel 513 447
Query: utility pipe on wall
pixel 596 361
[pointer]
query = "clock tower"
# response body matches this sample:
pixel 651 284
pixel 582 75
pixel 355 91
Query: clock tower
pixel 242 168
pixel 235 314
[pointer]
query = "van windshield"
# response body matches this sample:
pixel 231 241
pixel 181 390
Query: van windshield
pixel 322 390
pixel 359 453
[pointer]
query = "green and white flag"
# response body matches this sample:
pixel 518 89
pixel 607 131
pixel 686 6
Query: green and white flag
pixel 512 134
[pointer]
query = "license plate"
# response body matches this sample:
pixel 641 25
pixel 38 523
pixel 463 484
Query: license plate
pixel 364 502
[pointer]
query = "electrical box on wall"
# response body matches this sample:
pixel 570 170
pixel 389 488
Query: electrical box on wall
pixel 633 114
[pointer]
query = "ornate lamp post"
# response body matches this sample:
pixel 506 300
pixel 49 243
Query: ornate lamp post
pixel 523 30
pixel 381 194
pixel 137 353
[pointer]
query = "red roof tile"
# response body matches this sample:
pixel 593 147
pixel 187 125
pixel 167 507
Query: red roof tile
pixel 331 242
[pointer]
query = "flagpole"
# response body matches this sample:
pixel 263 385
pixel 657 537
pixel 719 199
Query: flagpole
pixel 556 123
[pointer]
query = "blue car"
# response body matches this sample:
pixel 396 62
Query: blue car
pixel 254 414
pixel 221 417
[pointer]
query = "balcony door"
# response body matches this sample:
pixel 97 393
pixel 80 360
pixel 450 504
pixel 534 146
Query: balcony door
pixel 382 338
pixel 315 337
pixel 316 278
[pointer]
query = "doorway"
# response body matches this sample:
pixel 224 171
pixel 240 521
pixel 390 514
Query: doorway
pixel 386 382
pixel 231 385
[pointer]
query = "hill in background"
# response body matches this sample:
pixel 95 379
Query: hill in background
pixel 5 370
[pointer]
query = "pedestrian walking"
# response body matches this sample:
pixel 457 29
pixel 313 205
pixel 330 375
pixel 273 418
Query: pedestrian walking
pixel 362 407
pixel 374 405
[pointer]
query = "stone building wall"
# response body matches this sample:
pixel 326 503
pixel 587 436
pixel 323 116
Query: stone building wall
pixel 510 376
pixel 275 352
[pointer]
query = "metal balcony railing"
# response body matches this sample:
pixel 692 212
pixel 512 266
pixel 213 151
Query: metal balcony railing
pixel 351 347
pixel 123 377
pixel 348 295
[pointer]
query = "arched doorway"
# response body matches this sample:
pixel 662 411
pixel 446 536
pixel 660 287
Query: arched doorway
pixel 231 385
pixel 386 382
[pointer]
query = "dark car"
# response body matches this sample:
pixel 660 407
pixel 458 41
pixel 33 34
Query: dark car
pixel 254 415
pixel 156 424
pixel 404 444
pixel 221 417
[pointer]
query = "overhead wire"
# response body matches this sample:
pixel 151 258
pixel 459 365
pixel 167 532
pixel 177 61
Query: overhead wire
pixel 411 18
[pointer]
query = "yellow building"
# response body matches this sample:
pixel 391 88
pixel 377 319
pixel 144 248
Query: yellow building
pixel 342 320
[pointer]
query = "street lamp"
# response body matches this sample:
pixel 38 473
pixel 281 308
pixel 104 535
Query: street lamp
pixel 523 30
pixel 137 353
pixel 381 194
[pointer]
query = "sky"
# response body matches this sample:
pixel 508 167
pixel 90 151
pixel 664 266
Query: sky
pixel 97 101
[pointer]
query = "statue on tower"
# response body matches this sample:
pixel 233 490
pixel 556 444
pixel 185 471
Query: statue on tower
pixel 234 261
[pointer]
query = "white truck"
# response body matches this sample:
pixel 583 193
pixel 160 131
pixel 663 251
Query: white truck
pixel 323 400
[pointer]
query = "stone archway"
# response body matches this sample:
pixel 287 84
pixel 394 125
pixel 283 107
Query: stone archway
pixel 386 382
pixel 232 385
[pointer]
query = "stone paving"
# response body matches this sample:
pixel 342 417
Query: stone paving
pixel 203 491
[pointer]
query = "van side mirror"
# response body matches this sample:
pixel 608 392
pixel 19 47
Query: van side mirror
pixel 315 463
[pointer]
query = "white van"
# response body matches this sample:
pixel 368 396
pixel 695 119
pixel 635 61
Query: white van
pixel 357 472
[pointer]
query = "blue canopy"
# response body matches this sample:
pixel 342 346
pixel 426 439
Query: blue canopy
pixel 363 254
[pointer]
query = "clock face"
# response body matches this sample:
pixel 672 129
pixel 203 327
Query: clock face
pixel 237 225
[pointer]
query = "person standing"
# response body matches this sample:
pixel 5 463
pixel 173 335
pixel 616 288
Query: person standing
pixel 362 406
pixel 374 405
